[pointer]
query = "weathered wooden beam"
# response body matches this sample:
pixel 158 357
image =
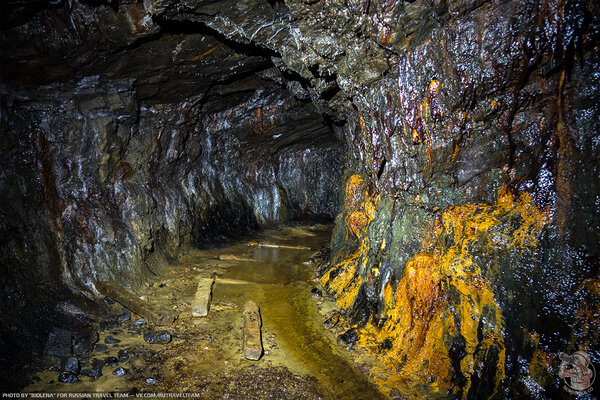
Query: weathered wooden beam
pixel 228 281
pixel 253 349
pixel 301 232
pixel 201 302
pixel 278 246
pixel 231 257
pixel 135 304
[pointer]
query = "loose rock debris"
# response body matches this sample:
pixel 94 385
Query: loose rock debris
pixel 207 354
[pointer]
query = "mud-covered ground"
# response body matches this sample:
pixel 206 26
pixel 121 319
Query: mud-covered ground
pixel 301 360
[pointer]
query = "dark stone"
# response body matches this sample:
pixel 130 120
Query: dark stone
pixel 101 347
pixel 387 344
pixel 123 354
pixel 120 371
pixel 107 325
pixel 108 300
pixel 83 342
pixel 96 369
pixel 111 340
pixel 97 364
pixel 111 361
pixel 348 339
pixel 125 316
pixel 70 364
pixel 159 337
pixel 68 377
pixel 316 293
pixel 58 343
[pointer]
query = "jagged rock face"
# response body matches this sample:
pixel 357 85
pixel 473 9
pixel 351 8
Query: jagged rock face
pixel 121 180
pixel 467 249
pixel 466 252
pixel 124 145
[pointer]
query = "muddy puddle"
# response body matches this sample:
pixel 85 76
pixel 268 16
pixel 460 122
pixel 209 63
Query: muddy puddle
pixel 301 359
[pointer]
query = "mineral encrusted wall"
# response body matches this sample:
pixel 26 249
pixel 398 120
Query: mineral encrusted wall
pixel 467 249
pixel 466 253
pixel 491 118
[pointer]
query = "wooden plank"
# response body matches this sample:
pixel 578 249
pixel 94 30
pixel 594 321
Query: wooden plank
pixel 201 302
pixel 301 232
pixel 135 304
pixel 278 246
pixel 231 257
pixel 253 349
pixel 228 281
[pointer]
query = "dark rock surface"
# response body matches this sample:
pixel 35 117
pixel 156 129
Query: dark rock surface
pixel 128 143
pixel 68 377
pixel 331 321
pixel 123 354
pixel 125 316
pixel 157 337
pixel 70 364
pixel 101 347
pixel 348 339
pixel 95 370
pixel 83 342
pixel 58 343
pixel 111 340
pixel 316 293
pixel 111 361
pixel 471 166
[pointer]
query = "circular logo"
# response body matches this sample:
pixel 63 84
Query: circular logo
pixel 577 370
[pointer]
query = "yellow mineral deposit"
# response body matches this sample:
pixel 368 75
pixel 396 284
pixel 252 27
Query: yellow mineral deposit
pixel 348 280
pixel 417 324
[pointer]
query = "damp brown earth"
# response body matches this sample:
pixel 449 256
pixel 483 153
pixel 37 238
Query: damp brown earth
pixel 301 359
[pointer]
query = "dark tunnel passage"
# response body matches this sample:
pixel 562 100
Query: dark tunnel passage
pixel 120 165
pixel 300 199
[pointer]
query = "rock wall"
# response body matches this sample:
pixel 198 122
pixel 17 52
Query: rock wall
pixel 466 253
pixel 124 144
pixel 467 249
pixel 121 182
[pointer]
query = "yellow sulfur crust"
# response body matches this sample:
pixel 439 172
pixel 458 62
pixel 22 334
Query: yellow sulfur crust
pixel 442 293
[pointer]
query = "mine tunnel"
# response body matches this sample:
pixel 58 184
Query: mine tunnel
pixel 300 199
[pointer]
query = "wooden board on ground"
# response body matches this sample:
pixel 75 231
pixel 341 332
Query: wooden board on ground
pixel 135 304
pixel 201 302
pixel 231 257
pixel 232 281
pixel 253 349
pixel 278 246
pixel 301 232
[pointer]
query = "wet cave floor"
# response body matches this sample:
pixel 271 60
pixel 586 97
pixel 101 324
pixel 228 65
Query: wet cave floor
pixel 301 360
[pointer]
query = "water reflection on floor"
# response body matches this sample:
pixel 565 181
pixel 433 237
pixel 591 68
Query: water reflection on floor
pixel 301 359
